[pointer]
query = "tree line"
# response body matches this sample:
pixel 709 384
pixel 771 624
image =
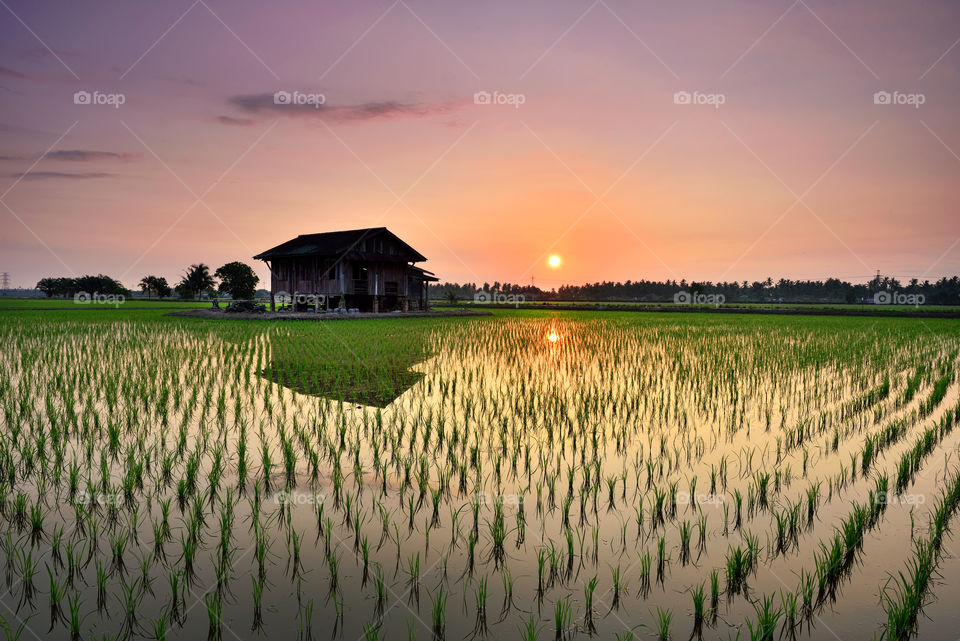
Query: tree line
pixel 945 291
pixel 235 279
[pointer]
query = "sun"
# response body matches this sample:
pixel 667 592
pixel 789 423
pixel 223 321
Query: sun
pixel 554 261
pixel 553 337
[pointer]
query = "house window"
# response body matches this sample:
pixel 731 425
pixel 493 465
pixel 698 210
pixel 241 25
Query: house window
pixel 360 281
pixel 329 270
pixel 391 288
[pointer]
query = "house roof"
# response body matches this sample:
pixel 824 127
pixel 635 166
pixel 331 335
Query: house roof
pixel 424 274
pixel 334 243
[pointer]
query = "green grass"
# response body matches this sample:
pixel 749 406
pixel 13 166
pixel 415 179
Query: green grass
pixel 144 455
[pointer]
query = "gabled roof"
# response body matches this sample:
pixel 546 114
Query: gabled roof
pixel 334 243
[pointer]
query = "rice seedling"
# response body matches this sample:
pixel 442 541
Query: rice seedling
pixel 529 629
pixel 214 616
pixel 562 619
pixel 601 437
pixel 438 616
pixel 661 558
pixel 664 618
pixel 768 618
pixel 714 590
pixel 75 619
pixel 588 591
pixel 698 595
pixel 480 599
pixel 685 542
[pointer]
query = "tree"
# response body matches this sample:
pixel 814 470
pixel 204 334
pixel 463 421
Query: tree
pixel 155 285
pixel 161 288
pixel 99 284
pixel 238 280
pixel 53 286
pixel 196 281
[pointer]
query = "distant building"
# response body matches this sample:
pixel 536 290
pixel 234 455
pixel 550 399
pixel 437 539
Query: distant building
pixel 368 269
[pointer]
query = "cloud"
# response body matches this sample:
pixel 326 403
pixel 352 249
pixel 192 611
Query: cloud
pixel 379 110
pixel 55 175
pixel 87 155
pixel 10 73
pixel 230 120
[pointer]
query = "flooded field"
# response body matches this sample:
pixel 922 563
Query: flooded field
pixel 532 475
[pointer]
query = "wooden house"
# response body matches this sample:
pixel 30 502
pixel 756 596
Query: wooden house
pixel 368 269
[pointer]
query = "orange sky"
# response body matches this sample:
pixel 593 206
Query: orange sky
pixel 797 174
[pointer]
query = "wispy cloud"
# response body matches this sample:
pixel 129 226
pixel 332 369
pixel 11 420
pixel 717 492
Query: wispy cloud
pixel 6 72
pixel 88 155
pixel 73 155
pixel 378 110
pixel 230 120
pixel 57 175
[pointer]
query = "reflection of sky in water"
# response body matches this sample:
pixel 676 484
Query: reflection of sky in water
pixel 572 440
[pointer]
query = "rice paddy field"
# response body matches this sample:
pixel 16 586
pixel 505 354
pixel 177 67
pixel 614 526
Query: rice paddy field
pixel 527 475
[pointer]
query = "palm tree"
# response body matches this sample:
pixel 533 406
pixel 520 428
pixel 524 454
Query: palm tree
pixel 197 280
pixel 146 285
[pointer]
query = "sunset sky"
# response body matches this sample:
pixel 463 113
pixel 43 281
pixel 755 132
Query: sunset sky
pixel 799 173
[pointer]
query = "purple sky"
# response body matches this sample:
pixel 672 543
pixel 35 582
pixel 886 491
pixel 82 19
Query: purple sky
pixel 797 174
